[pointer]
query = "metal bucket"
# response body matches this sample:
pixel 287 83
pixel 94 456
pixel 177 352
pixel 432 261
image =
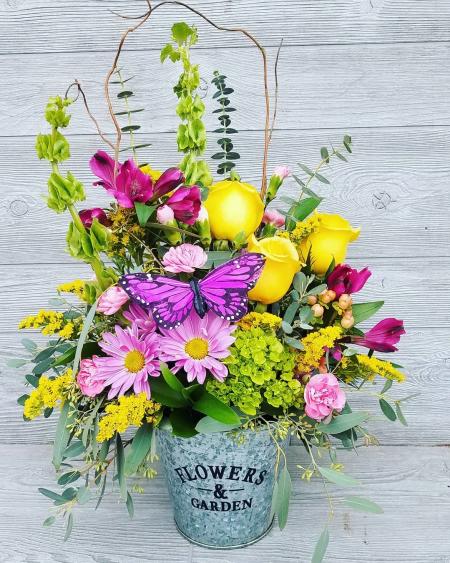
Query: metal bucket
pixel 221 488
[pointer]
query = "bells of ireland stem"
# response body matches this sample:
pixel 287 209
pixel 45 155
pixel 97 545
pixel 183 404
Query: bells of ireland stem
pixel 282 263
pixel 233 208
pixel 329 241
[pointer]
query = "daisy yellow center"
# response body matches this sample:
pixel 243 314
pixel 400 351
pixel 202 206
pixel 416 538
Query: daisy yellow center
pixel 134 361
pixel 197 348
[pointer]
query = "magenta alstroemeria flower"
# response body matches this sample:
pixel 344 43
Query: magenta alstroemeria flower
pixel 167 182
pixel 344 279
pixel 88 215
pixel 102 166
pixel 185 204
pixel 130 183
pixel 382 336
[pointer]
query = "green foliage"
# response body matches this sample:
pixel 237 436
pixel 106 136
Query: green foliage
pixel 261 371
pixel 53 147
pixel 226 155
pixel 64 192
pixel 123 95
pixel 191 135
pixel 85 245
pixel 363 311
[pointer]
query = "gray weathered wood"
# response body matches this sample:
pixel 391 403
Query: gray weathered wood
pixel 391 186
pixel 320 87
pixel 376 69
pixel 410 483
pixel 44 25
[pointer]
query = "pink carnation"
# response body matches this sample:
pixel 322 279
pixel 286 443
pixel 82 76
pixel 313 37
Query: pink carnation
pixel 165 215
pixel 111 300
pixel 184 258
pixel 282 172
pixel 273 217
pixel 323 396
pixel 87 378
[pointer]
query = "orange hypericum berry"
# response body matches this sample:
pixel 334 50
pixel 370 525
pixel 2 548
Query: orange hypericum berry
pixel 347 322
pixel 345 301
pixel 312 300
pixel 317 310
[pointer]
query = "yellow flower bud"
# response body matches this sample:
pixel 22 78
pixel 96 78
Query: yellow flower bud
pixel 328 241
pixel 233 207
pixel 282 263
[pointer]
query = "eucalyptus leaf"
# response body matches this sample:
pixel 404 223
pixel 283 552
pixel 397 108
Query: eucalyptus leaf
pixel 140 446
pixel 69 527
pixel 400 415
pixel 284 491
pixel 387 410
pixel 343 422
pixel 49 521
pixel 208 425
pixel 120 457
pixel 28 344
pixel 363 504
pixel 83 335
pixel 16 362
pixel 337 477
pixel 294 343
pixel 62 434
pixel 130 505
pixel 321 547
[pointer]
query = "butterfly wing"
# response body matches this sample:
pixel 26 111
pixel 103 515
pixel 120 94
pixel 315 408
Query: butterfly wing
pixel 169 300
pixel 225 288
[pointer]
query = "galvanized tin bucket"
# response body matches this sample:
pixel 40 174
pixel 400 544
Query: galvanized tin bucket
pixel 221 488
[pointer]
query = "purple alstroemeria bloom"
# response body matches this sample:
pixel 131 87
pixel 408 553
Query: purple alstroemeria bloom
pixel 129 185
pixel 382 336
pixel 102 166
pixel 132 185
pixel 88 215
pixel 344 279
pixel 185 203
pixel 167 182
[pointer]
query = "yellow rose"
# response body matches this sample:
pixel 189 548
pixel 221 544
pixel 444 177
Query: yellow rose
pixel 328 241
pixel 233 207
pixel 154 174
pixel 282 263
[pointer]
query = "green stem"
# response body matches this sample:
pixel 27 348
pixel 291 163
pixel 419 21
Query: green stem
pixel 127 108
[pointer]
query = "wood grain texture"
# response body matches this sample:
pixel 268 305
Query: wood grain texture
pixel 410 483
pixel 377 69
pixel 320 87
pixel 395 186
pixel 34 26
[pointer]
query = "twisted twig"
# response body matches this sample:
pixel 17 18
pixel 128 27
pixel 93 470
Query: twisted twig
pixel 143 19
pixel 81 91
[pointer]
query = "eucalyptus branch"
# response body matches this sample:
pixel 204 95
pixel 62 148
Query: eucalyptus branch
pixel 140 23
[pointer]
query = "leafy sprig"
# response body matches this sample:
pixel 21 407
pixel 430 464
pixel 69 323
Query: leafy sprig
pixel 130 128
pixel 227 155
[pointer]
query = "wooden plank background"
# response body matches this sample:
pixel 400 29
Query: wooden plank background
pixel 377 69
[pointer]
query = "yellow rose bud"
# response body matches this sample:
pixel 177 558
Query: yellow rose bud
pixel 154 174
pixel 282 263
pixel 233 207
pixel 328 241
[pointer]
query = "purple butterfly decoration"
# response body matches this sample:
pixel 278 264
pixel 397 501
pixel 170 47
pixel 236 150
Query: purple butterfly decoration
pixel 223 291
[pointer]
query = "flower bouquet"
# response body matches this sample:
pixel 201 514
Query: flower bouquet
pixel 221 321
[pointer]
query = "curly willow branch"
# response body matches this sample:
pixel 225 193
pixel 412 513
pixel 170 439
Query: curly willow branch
pixel 83 95
pixel 143 19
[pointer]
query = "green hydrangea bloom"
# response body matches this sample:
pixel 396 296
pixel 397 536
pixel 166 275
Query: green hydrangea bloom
pixel 261 369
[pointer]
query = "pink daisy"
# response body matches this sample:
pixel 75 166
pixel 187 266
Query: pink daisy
pixel 140 317
pixel 131 360
pixel 197 345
